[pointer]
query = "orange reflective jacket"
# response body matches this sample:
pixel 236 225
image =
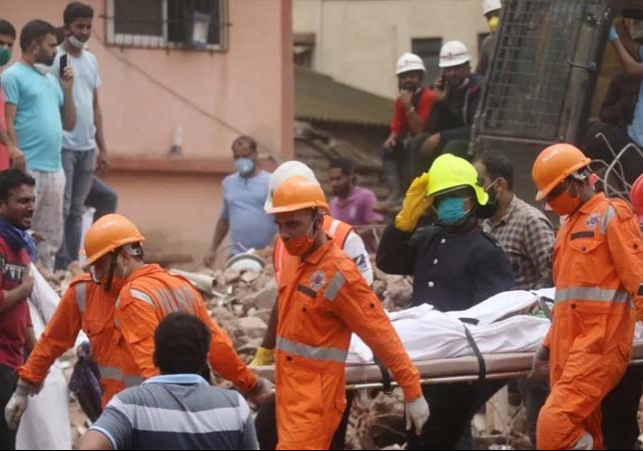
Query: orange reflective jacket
pixel 149 295
pixel 334 228
pixel 85 305
pixel 322 300
pixel 598 271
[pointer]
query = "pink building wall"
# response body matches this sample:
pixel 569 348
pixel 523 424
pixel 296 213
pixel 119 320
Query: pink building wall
pixel 247 88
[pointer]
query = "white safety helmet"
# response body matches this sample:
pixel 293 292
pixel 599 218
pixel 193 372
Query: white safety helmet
pixel 454 53
pixel 283 172
pixel 490 5
pixel 409 62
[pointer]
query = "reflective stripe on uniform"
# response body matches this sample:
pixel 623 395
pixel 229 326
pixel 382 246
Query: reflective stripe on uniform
pixel 336 283
pixel 607 218
pixel 311 352
pixel 110 372
pixel 592 294
pixel 114 373
pixel 81 296
pixel 132 381
pixel 186 299
pixel 141 296
pixel 333 227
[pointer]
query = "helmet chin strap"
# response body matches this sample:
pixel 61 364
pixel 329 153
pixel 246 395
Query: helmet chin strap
pixel 112 269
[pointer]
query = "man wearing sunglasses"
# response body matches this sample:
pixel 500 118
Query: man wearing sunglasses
pixel 598 274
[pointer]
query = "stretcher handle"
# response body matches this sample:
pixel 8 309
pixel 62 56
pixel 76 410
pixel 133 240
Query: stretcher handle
pixel 444 379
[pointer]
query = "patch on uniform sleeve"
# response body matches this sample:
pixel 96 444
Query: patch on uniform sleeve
pixel 593 220
pixel 317 280
pixel 361 263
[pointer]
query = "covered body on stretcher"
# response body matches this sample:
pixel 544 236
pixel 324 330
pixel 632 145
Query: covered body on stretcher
pixel 506 338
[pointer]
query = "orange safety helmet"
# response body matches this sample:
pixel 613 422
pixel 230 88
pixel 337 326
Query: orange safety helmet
pixel 636 196
pixel 109 233
pixel 298 193
pixel 555 164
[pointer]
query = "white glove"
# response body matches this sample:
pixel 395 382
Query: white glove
pixel 17 405
pixel 262 392
pixel 417 413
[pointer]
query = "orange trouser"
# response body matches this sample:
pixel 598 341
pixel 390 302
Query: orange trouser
pixel 574 404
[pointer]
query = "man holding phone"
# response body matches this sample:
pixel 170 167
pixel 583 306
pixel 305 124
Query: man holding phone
pixel 38 107
pixel 83 148
pixel 458 92
pixel 412 109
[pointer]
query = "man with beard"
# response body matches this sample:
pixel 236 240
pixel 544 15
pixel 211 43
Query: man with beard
pixel 412 109
pixel 16 251
pixel 37 110
pixel 83 148
pixel 457 92
pixel 352 204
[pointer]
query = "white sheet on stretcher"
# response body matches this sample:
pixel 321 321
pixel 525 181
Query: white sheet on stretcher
pixel 428 334
pixel 45 424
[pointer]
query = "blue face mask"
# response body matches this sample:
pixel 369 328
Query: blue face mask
pixel 451 210
pixel 244 165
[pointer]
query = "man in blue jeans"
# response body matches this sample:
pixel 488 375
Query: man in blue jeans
pixel 84 146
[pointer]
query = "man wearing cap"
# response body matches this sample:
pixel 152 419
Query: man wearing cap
pixel 599 288
pixel 454 265
pixel 458 92
pixel 323 298
pixel 491 11
pixel 412 109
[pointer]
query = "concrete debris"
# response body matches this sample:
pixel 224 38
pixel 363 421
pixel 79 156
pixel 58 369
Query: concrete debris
pixel 252 326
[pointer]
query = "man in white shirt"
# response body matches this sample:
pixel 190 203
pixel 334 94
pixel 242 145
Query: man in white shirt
pixel 84 146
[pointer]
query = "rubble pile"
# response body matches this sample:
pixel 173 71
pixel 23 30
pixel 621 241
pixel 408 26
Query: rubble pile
pixel 241 301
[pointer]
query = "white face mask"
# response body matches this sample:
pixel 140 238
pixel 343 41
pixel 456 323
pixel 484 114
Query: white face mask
pixel 42 68
pixel 75 42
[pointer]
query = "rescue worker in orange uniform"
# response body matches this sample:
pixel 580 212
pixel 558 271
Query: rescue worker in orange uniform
pixel 322 299
pixel 342 234
pixel 347 239
pixel 598 274
pixel 149 293
pixel 89 307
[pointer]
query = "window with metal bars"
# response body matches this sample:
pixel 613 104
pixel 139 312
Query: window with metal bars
pixel 429 50
pixel 166 23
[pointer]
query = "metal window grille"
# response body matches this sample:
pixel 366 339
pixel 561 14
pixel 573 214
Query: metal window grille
pixel 429 50
pixel 528 81
pixel 166 23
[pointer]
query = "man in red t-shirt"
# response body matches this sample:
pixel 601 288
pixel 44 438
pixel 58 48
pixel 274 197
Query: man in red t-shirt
pixel 7 38
pixel 412 109
pixel 17 250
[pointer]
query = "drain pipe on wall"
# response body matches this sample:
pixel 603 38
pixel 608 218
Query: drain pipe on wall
pixel 319 41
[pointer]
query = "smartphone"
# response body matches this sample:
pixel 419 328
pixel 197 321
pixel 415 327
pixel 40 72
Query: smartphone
pixel 63 64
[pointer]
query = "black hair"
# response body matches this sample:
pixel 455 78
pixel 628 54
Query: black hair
pixel 60 35
pixel 181 344
pixel 498 166
pixel 11 179
pixel 244 140
pixel 7 28
pixel 345 164
pixel 77 10
pixel 35 31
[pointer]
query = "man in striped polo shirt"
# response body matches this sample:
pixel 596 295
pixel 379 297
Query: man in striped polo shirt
pixel 178 409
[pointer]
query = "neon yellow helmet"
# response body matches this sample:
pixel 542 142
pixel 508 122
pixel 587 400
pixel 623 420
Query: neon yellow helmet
pixel 449 173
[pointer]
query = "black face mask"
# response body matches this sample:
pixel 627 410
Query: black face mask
pixel 486 211
pixel 491 191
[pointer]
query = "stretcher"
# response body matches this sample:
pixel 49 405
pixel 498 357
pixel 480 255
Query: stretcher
pixel 445 371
